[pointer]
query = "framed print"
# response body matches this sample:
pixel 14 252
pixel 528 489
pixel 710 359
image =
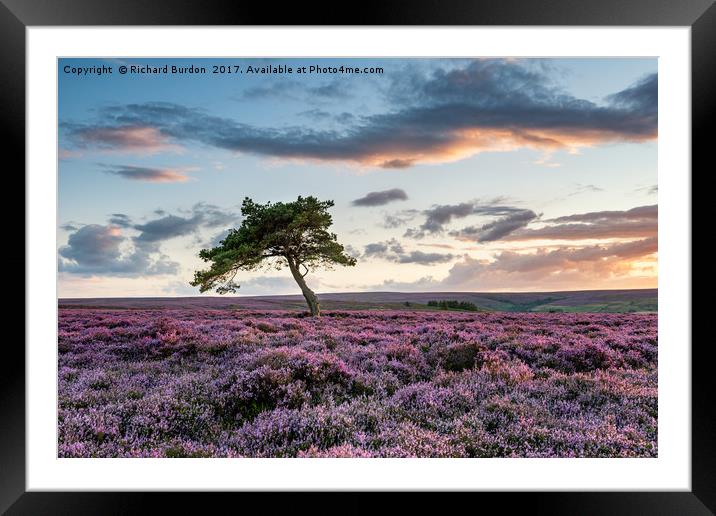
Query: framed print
pixel 432 251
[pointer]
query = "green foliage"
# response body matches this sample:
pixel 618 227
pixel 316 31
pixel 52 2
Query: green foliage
pixel 453 305
pixel 274 235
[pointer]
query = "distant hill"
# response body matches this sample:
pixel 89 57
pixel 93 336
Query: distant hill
pixel 642 300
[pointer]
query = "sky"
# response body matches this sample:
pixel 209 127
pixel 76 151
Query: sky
pixel 447 174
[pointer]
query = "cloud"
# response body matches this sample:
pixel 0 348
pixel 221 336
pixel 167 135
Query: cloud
pixel 336 89
pixel 497 229
pixel 169 226
pixel 97 250
pixel 650 212
pixel 277 285
pixel 132 138
pixel 351 251
pixel 70 226
pixel 580 189
pixel 621 264
pixel 424 284
pixel 345 118
pixel 381 198
pixel 439 216
pixel 393 251
pixel 603 265
pixel 439 246
pixel 397 163
pixel 642 96
pixel 121 220
pixel 648 190
pixel 282 89
pixel 512 268
pixel 422 258
pixel 93 245
pixel 65 154
pixel 568 257
pixel 147 174
pixel 166 227
pixel 213 241
pixel 639 222
pixel 401 218
pixel 511 223
pixel 587 231
pixel 591 267
pixel 214 216
pixel 485 105
pixel 609 264
pixel 316 114
pixel 382 249
pixel 180 288
pixel 296 90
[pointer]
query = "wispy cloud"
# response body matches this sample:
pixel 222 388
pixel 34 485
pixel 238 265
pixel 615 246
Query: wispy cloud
pixel 648 190
pixel 120 220
pixel 147 174
pixel 170 226
pixel 508 219
pixel 497 229
pixel 297 90
pixel 580 189
pixel 131 138
pixel 401 218
pixel 381 198
pixel 392 250
pixel 639 222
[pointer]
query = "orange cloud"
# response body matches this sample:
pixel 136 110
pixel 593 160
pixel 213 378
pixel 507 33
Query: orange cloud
pixel 133 139
pixel 624 265
pixel 148 174
pixel 464 143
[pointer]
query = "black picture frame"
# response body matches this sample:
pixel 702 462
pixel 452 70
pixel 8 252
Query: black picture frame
pixel 17 15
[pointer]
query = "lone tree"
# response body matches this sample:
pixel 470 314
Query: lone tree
pixel 274 235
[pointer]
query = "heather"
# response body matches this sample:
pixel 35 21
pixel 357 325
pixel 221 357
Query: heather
pixel 242 383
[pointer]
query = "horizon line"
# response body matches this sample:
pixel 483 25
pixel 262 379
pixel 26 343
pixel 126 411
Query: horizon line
pixel 219 296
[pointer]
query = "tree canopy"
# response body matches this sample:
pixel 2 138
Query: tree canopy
pixel 293 234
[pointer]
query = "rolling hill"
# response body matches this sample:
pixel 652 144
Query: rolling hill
pixel 643 300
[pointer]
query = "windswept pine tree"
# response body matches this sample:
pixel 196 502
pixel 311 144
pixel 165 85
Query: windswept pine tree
pixel 275 235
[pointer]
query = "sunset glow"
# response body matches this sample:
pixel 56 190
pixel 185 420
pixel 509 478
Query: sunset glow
pixel 447 174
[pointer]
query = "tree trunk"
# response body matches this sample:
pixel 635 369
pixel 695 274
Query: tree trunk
pixel 311 298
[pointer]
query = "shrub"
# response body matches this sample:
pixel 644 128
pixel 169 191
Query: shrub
pixel 216 383
pixel 454 305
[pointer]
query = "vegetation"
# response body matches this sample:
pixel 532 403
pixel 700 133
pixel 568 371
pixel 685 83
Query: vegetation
pixel 217 383
pixel 274 235
pixel 454 305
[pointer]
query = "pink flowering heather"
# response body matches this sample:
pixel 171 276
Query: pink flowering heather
pixel 222 383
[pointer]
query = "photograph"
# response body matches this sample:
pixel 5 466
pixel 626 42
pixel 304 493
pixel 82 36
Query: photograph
pixel 351 257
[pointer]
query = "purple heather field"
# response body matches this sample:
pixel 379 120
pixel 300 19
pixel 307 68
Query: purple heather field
pixel 391 383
